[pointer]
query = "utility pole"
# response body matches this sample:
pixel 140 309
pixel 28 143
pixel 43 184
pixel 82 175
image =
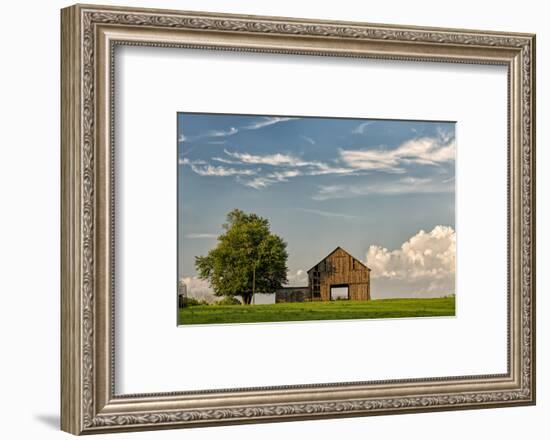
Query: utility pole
pixel 253 282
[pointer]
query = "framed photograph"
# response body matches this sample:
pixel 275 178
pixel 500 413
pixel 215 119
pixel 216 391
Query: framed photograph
pixel 271 219
pixel 281 234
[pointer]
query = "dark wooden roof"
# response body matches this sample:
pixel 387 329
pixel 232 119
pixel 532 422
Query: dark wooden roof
pixel 342 249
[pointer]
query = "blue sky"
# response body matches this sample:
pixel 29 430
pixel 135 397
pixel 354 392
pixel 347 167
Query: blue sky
pixel 322 183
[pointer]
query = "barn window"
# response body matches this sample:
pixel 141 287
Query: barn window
pixel 316 284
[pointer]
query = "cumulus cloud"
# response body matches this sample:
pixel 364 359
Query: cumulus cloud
pixel 423 266
pixel 297 278
pixel 199 289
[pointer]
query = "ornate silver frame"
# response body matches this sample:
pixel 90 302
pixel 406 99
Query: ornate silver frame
pixel 88 37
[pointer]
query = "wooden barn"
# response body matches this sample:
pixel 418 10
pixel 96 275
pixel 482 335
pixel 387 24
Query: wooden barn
pixel 339 276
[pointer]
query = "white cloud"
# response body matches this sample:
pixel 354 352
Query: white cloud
pixel 421 151
pixel 277 159
pixel 202 168
pixel 219 171
pixel 328 214
pixel 425 151
pixel 224 160
pixel 308 140
pixel 220 133
pixel 287 166
pixel 199 289
pixel 361 128
pixel 284 160
pixel 271 178
pixel 201 235
pixel 182 138
pixel 266 121
pixel 445 134
pixel 320 168
pixel 423 266
pixel 212 134
pixel 405 185
pixel 295 166
pixel 187 161
pixel 372 160
pixel 297 278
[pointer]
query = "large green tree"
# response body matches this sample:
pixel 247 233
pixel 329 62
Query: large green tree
pixel 247 259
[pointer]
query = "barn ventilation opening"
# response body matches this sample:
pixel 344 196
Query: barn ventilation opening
pixel 339 292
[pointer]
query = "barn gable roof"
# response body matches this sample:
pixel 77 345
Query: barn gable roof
pixel 342 249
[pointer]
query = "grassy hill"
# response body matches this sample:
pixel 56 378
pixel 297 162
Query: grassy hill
pixel 313 311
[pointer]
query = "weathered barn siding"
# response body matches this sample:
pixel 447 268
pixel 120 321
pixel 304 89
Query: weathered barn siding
pixel 340 269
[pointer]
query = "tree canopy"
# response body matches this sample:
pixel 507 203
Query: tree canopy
pixel 247 259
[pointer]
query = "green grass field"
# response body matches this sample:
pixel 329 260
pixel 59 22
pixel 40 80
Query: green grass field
pixel 313 311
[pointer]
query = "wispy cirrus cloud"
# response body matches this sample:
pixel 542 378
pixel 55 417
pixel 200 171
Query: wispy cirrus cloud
pixel 187 161
pixel 316 168
pixel 290 166
pixel 200 235
pixel 362 127
pixel 328 214
pixel 264 170
pixel 271 178
pixel 405 185
pixel 266 121
pixel 262 122
pixel 224 160
pixel 215 136
pixel 202 168
pixel 321 168
pixel 219 171
pixel 419 151
pixel 221 133
pixel 277 159
pixel 308 140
